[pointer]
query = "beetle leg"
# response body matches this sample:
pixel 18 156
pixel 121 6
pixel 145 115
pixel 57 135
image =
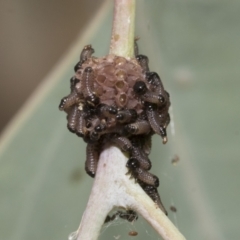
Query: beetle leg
pixel 73 82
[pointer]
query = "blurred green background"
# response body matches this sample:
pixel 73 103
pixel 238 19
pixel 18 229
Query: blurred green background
pixel 195 48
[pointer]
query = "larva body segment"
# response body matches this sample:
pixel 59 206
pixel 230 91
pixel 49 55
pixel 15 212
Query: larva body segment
pixel 153 97
pixel 142 158
pixel 154 79
pixel 122 142
pixel 126 116
pixel 139 154
pixel 85 54
pixel 72 118
pixel 73 82
pixel 87 82
pixel 153 194
pixel 81 123
pixel 106 110
pixel 88 86
pixel 155 121
pixel 143 62
pixel 136 52
pixel 137 128
pixel 92 152
pixel 140 174
pixel 69 101
pixel 147 177
pixel 146 95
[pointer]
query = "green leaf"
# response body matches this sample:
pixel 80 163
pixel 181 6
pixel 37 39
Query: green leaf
pixel 194 46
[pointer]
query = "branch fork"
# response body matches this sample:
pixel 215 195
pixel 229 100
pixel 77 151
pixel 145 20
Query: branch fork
pixel 112 188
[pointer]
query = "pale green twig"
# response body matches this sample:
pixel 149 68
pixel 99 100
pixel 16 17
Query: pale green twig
pixel 123 28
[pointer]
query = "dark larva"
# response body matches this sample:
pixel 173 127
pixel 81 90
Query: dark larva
pixel 143 61
pixel 147 177
pixel 137 128
pixel 135 47
pixel 154 79
pixel 155 122
pixel 122 142
pixel 106 111
pixel 69 100
pixel 126 116
pixel 147 145
pixel 73 118
pixel 92 159
pixel 157 87
pixel 73 82
pixel 153 97
pixel 153 194
pixel 143 160
pixel 167 120
pixel 88 86
pixel 129 215
pixel 141 174
pixel 86 53
pixel 139 154
pixel 81 123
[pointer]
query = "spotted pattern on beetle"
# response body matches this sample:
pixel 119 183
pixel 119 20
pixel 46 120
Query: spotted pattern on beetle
pixel 117 100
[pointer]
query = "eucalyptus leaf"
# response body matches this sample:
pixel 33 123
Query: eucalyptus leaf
pixel 194 46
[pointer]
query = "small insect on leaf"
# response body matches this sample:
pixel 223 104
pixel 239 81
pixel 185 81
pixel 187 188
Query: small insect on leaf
pixel 133 233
